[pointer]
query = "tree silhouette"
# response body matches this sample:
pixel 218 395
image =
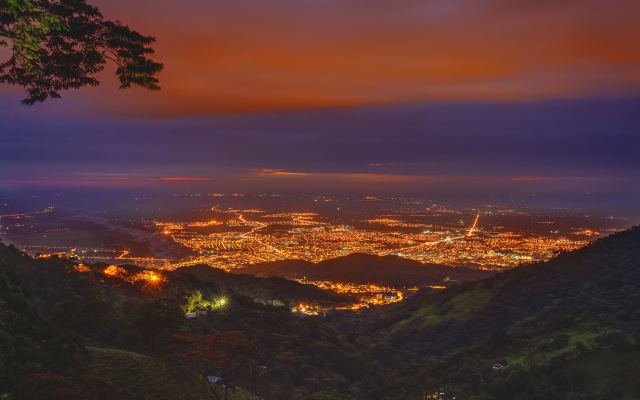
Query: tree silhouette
pixel 153 322
pixel 218 359
pixel 60 44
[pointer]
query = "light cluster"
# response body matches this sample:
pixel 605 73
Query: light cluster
pixel 368 294
pixel 304 236
pixel 114 271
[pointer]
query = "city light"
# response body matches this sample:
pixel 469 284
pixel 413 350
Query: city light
pixel 416 230
pixel 312 239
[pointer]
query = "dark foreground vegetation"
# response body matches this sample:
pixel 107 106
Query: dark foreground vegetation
pixel 282 290
pixel 567 328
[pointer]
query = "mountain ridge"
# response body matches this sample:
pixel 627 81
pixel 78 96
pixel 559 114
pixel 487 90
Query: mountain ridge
pixel 360 268
pixel 266 288
pixel 600 279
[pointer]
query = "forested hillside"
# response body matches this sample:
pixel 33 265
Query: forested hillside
pixel 567 328
pixel 591 296
pixel 269 288
pixel 56 316
pixel 602 279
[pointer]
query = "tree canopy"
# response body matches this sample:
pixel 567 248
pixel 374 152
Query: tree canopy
pixel 61 44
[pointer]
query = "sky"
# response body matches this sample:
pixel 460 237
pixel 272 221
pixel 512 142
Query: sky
pixel 451 95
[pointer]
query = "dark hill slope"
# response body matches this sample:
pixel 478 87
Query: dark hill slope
pixel 363 268
pixel 272 288
pixel 53 280
pixel 602 279
pixel 130 327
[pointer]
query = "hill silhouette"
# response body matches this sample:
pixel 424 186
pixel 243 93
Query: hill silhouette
pixel 268 288
pixel 601 279
pixel 59 320
pixel 566 328
pixel 360 268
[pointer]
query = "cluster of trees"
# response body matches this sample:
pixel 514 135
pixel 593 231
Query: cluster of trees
pixel 602 279
pixel 545 364
pixel 437 342
pixel 269 289
pixel 50 314
pixel 222 360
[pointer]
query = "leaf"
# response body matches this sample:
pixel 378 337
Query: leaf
pixel 62 45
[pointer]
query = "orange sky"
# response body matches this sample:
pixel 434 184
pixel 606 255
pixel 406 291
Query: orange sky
pixel 256 55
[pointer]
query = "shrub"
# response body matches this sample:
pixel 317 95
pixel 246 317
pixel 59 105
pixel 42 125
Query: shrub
pixel 577 374
pixel 622 342
pixel 560 341
pixel 556 322
pixel 559 378
pixel 580 348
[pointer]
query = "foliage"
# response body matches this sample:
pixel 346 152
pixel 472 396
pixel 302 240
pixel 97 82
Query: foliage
pixel 192 299
pixel 60 44
pixel 561 329
pixel 55 387
pixel 29 343
pixel 225 357
pixel 89 316
pixel 151 323
pixel 267 289
pixel 141 376
pixel 601 280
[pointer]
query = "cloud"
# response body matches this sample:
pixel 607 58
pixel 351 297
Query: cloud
pixel 276 172
pixel 400 164
pixel 540 178
pixel 547 178
pixel 185 179
pixel 229 56
pixel 590 138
